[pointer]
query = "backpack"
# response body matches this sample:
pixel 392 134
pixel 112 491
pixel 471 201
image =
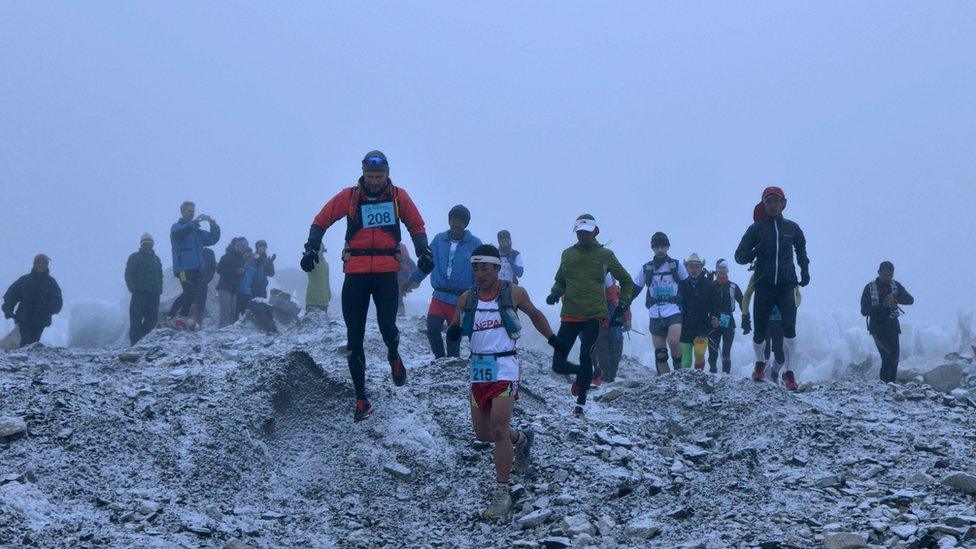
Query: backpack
pixel 649 274
pixel 506 309
pixel 354 221
pixel 876 296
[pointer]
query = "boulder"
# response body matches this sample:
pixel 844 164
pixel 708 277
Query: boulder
pixel 845 540
pixel 964 482
pixel 944 378
pixel 643 528
pixel 574 525
pixel 11 425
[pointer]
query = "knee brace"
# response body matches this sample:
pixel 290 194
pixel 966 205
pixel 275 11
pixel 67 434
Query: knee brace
pixel 661 355
pixel 700 345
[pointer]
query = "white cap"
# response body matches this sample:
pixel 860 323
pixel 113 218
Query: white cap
pixel 146 237
pixel 693 258
pixel 583 224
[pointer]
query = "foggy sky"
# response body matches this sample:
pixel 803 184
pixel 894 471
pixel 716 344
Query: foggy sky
pixel 651 116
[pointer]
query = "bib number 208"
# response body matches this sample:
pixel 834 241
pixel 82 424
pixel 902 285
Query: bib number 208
pixel 378 215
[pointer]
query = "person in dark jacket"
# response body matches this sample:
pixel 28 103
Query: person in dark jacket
pixel 728 296
pixel 188 241
pixel 144 279
pixel 770 242
pixel 699 312
pixel 245 288
pixel 264 269
pixel 203 288
pixel 32 300
pixel 231 270
pixel 879 303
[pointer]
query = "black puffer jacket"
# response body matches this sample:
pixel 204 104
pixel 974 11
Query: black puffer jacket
pixel 38 296
pixel 771 242
pixel 229 268
pixel 698 304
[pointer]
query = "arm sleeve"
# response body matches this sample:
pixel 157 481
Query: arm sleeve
pixel 747 296
pixel 738 295
pixel 800 245
pixel 417 276
pixel 10 299
pixel 519 266
pixel 334 210
pixel 626 282
pixel 158 266
pixel 56 300
pixel 269 269
pixel 682 271
pixel 866 309
pixel 559 286
pixel 639 283
pixel 182 230
pixel 905 298
pixel 746 252
pixel 213 235
pixel 223 266
pixel 129 272
pixel 409 214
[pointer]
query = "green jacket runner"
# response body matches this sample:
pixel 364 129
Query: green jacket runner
pixel 581 277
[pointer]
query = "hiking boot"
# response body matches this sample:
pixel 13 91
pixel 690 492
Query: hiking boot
pixel 789 381
pixel 713 368
pixel 700 367
pixel 363 410
pixel 501 504
pixel 759 374
pixel 597 378
pixel 398 371
pixel 523 453
pixel 579 411
pixel 774 373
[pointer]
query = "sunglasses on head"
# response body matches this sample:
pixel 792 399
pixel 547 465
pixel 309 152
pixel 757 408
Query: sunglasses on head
pixel 374 161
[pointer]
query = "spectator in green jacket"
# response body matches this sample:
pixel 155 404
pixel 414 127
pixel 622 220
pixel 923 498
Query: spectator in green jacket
pixel 144 278
pixel 580 283
pixel 318 294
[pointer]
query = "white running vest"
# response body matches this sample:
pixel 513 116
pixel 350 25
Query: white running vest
pixel 489 337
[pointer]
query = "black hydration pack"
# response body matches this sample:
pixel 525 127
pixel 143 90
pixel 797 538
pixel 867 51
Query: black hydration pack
pixel 650 273
pixel 506 310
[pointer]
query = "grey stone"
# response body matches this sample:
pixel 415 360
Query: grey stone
pixel 871 472
pixel 535 518
pixel 234 543
pixel 904 531
pixel 921 479
pixel 542 502
pixel 961 481
pixel 944 378
pixel 555 542
pixel 11 425
pixel 612 395
pixel 845 540
pixel 398 470
pixel 561 475
pixel 605 524
pixel 959 393
pixel 643 528
pixel 129 356
pixel 829 481
pixel 564 499
pixel 574 525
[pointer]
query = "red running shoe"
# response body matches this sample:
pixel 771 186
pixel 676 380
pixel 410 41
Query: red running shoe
pixel 574 390
pixel 759 374
pixel 363 410
pixel 700 367
pixel 597 377
pixel 789 381
pixel 398 371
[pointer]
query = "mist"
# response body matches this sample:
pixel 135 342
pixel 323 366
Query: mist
pixel 650 116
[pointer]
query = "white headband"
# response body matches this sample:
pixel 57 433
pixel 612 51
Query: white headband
pixel 486 259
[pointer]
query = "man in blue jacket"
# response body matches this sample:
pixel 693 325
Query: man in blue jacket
pixel 451 277
pixel 188 240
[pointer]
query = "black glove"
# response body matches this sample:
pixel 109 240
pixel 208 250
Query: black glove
pixel 425 261
pixel 746 324
pixel 310 257
pixel 273 257
pixel 804 276
pixel 454 332
pixel 552 299
pixel 558 344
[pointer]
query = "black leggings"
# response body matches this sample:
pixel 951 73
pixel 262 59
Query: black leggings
pixel 774 342
pixel 182 304
pixel 356 292
pixel 588 332
pixel 721 338
pixel 768 297
pixel 143 315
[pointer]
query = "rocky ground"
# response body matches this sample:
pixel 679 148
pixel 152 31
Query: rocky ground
pixel 234 438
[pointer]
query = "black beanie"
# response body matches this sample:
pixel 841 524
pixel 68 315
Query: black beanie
pixel 459 212
pixel 660 239
pixel 887 266
pixel 375 161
